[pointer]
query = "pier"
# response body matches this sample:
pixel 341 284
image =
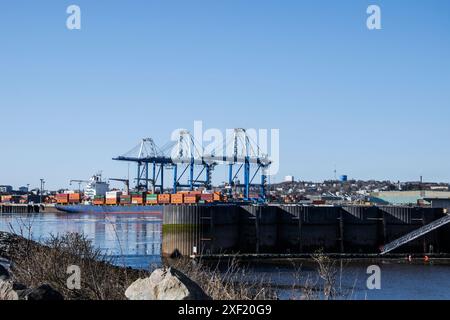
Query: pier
pixel 294 229
pixel 26 208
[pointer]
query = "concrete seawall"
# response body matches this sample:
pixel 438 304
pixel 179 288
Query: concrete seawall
pixel 290 229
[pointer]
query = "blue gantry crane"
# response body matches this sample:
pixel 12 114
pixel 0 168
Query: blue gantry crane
pixel 185 156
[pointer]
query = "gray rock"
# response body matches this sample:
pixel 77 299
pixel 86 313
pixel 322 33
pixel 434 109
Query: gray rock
pixel 44 292
pixel 166 284
pixel 4 273
pixel 10 290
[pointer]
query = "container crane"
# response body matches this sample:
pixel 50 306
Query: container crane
pixel 185 154
pixel 80 182
pixel 125 181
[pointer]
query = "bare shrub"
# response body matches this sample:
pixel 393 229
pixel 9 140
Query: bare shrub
pixel 36 264
pixel 233 283
pixel 327 271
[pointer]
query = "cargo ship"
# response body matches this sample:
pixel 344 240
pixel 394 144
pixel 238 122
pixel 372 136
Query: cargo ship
pixel 111 209
pixel 115 202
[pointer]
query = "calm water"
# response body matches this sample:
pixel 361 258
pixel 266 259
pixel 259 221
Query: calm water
pixel 135 240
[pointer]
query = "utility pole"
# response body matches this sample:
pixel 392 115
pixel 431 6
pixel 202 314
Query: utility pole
pixel 42 189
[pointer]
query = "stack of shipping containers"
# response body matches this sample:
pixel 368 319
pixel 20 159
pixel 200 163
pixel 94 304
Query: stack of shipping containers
pixel 125 199
pixel 142 198
pixel 137 198
pixel 177 198
pixel 99 200
pixel 164 198
pixel 113 197
pixel 62 198
pixel 74 198
pixel 151 198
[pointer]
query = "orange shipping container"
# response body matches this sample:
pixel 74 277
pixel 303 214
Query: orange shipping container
pixel 62 198
pixel 152 201
pixel 191 199
pixel 6 198
pixel 111 201
pixel 137 200
pixel 164 198
pixel 177 198
pixel 74 198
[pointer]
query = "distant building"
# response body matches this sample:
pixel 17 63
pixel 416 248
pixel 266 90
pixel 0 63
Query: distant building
pixel 439 202
pixel 406 197
pixel 439 188
pixel 6 189
pixel 289 179
pixel 23 189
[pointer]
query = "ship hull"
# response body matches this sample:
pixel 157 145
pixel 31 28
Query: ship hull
pixel 156 210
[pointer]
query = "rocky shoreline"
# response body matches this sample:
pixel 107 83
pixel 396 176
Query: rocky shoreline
pixel 34 271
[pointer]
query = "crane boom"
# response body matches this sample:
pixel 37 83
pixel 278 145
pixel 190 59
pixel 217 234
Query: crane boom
pixel 125 181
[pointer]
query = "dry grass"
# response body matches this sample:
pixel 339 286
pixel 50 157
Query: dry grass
pixel 35 264
pixel 232 283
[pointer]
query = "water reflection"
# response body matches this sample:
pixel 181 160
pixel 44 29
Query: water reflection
pixel 133 240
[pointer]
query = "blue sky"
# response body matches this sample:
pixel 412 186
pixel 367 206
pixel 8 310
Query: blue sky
pixel 375 104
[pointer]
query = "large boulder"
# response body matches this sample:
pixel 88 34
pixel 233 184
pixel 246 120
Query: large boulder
pixel 44 292
pixel 4 273
pixel 166 284
pixel 9 290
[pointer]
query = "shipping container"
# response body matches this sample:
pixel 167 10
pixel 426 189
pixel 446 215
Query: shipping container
pixel 99 202
pixel 217 196
pixel 137 200
pixel 6 199
pixel 111 201
pixel 125 199
pixel 177 198
pixel 207 197
pixel 113 194
pixel 164 198
pixel 191 198
pixel 62 198
pixel 74 198
pixel 151 198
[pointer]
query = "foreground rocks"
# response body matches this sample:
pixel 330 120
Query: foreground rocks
pixel 23 261
pixel 10 290
pixel 166 284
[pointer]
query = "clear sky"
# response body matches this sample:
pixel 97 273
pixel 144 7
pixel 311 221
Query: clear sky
pixel 375 104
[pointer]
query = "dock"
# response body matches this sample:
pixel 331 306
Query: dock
pixel 26 208
pixel 277 230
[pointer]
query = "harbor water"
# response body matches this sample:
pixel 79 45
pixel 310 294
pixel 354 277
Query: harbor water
pixel 135 240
